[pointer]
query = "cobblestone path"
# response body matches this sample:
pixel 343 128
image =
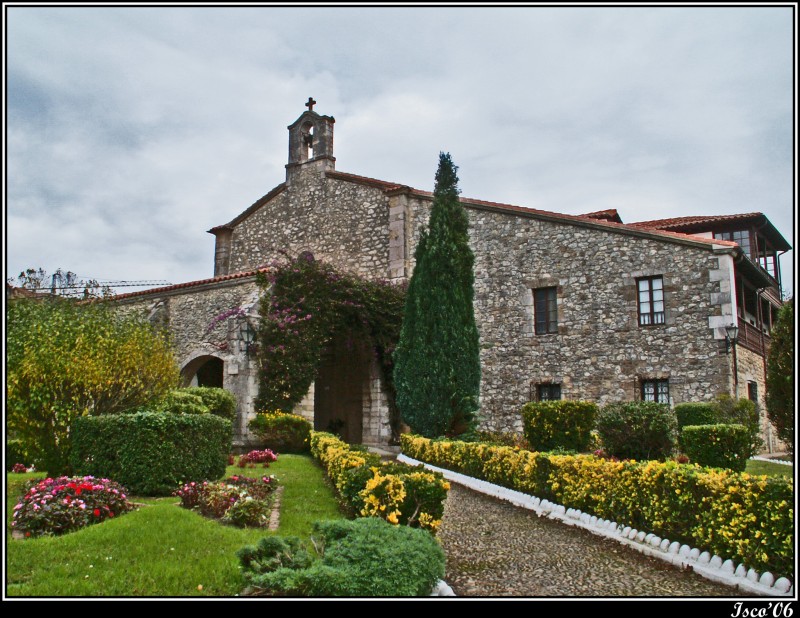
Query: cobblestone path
pixel 495 549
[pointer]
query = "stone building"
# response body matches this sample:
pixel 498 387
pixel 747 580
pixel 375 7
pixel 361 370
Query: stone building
pixel 577 307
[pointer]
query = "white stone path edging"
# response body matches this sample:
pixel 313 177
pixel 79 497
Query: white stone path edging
pixel 777 461
pixel 704 564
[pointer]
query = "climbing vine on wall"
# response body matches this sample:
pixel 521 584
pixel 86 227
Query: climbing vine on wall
pixel 307 304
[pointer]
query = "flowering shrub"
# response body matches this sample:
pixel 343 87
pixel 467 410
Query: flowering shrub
pixel 56 506
pixel 19 468
pixel 308 300
pixel 747 518
pixel 265 457
pixel 396 492
pixel 239 501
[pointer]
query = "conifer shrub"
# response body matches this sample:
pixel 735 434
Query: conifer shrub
pixel 637 430
pixel 563 424
pixel 717 446
pixel 359 558
pixel 780 375
pixel 151 453
pixel 437 370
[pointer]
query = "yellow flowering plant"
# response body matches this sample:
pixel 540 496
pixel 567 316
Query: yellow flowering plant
pixel 747 518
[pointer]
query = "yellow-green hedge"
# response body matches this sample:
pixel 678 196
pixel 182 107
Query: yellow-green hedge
pixel 398 493
pixel 739 516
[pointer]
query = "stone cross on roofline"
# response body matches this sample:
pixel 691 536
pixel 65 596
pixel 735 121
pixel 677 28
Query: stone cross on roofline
pixel 310 104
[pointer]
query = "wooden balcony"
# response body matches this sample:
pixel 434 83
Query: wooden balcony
pixel 751 338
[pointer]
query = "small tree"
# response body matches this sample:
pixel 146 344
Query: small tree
pixel 780 375
pixel 437 362
pixel 68 359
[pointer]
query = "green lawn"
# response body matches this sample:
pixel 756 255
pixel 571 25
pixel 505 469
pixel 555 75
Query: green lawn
pixel 161 549
pixel 768 468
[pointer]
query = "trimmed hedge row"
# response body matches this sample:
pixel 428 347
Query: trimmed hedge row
pixel 565 424
pixel 396 492
pixel 717 446
pixel 747 518
pixel 151 453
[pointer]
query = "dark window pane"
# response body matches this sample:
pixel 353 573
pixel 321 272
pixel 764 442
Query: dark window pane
pixel 545 308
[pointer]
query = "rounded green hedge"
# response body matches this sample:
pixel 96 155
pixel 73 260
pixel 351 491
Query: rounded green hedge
pixel 217 400
pixel 637 430
pixel 701 413
pixel 717 446
pixel 151 453
pixel 564 424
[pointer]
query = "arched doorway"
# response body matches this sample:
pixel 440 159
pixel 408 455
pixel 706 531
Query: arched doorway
pixel 339 390
pixel 203 371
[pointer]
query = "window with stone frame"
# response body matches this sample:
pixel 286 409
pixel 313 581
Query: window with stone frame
pixel 655 390
pixel 545 311
pixel 650 300
pixel 548 392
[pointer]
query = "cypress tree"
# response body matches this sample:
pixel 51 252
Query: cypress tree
pixel 437 362
pixel 780 375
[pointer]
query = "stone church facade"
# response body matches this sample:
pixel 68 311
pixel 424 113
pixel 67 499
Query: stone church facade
pixel 567 306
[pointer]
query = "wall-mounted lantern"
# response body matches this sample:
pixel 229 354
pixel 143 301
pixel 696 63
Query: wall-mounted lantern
pixel 731 335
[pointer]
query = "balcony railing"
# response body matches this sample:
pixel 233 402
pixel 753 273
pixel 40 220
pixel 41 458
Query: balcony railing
pixel 751 338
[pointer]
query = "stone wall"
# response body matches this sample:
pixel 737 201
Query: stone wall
pixel 343 223
pixel 751 370
pixel 188 312
pixel 600 352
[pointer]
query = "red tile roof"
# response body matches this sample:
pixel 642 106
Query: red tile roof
pixel 608 215
pixel 191 284
pixel 683 222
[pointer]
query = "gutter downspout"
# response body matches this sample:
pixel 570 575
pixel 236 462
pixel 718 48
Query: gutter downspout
pixel 759 292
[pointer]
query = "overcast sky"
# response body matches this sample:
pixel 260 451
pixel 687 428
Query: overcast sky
pixel 132 131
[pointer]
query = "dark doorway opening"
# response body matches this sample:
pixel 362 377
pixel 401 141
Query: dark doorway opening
pixel 339 390
pixel 203 371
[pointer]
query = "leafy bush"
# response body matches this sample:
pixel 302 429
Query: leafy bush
pixel 741 412
pixel 360 558
pixel 238 500
pixel 704 413
pixel 265 457
pixel 15 453
pixel 181 401
pixel 548 425
pixel 56 506
pixel 149 452
pixel 218 400
pixel 637 430
pixel 282 432
pixel 68 359
pixel 717 446
pixel 747 518
pixel 397 492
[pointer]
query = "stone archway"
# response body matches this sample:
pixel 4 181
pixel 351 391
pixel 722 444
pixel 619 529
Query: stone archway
pixel 204 370
pixel 340 389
